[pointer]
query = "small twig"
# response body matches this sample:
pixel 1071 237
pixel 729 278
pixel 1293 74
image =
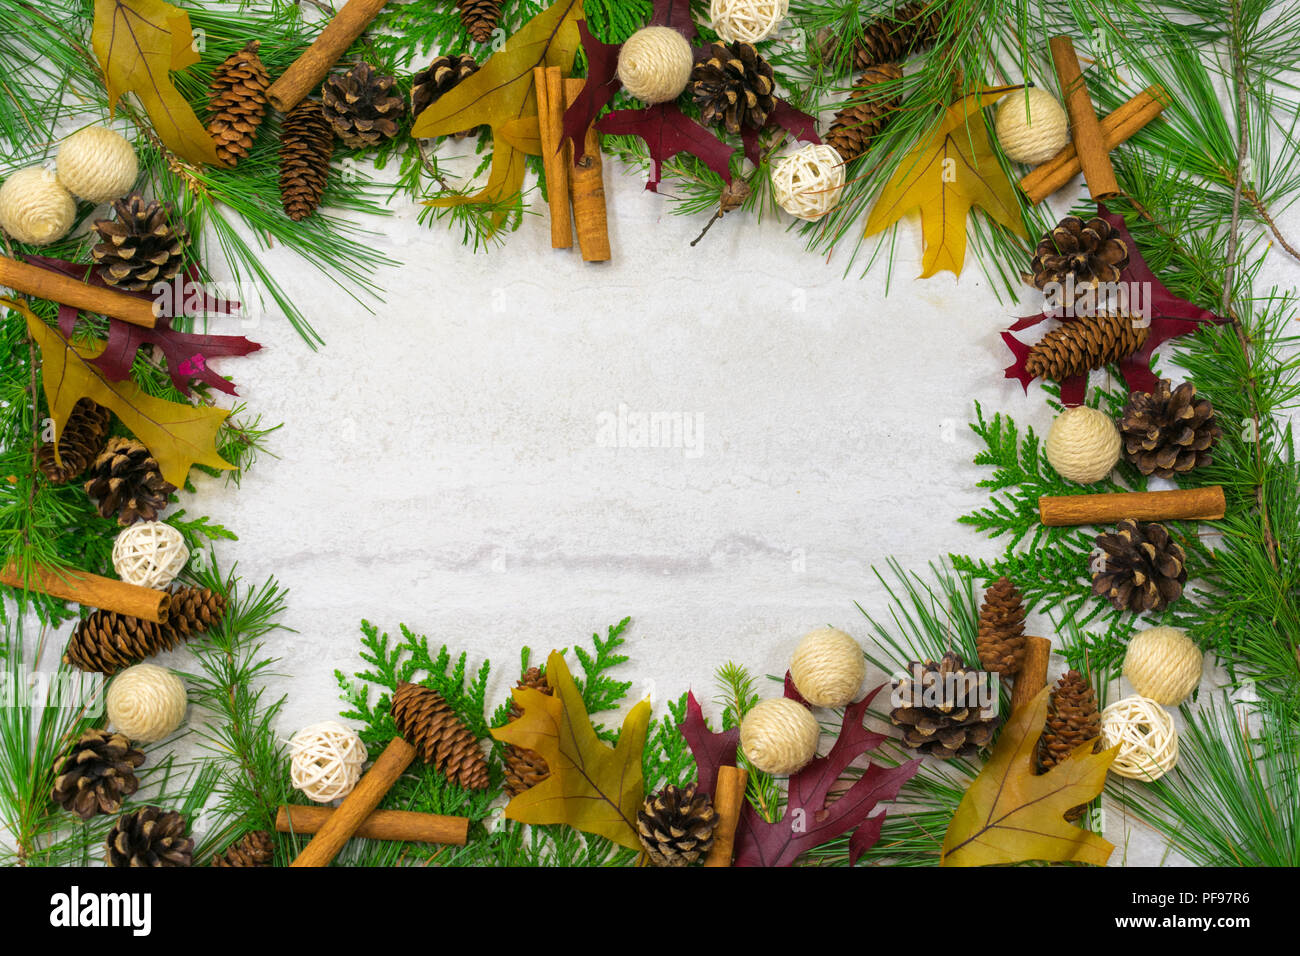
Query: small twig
pixel 707 226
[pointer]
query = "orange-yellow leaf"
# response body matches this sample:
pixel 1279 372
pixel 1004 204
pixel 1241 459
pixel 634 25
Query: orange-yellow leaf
pixel 1011 814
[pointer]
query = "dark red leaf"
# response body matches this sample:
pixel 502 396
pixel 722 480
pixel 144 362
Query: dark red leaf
pixel 711 749
pixel 800 125
pixel 602 83
pixel 793 692
pixel 668 131
pixel 675 14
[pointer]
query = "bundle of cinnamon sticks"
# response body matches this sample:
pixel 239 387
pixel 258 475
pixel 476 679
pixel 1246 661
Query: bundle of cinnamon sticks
pixel 581 184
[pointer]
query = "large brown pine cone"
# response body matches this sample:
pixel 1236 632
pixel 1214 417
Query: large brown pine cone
pixel 907 29
pixel 1143 568
pixel 439 78
pixel 939 707
pixel 141 246
pixel 525 769
pixel 1088 252
pixel 867 112
pixel 676 825
pixel 80 442
pixel 1001 638
pixel 253 849
pixel 362 107
pixel 306 145
pixel 427 721
pixel 238 103
pixel 1072 721
pixel 733 86
pixel 480 17
pixel 97 773
pixel 1084 344
pixel 150 836
pixel 1168 432
pixel 125 481
pixel 106 642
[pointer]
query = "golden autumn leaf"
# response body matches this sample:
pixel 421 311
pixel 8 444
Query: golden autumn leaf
pixel 138 44
pixel 177 434
pixel 593 787
pixel 944 176
pixel 1011 814
pixel 501 95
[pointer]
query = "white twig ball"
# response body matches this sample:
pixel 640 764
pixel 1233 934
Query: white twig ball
pixel 779 736
pixel 747 21
pixel 1031 125
pixel 807 183
pixel 1164 664
pixel 146 702
pixel 34 208
pixel 1144 731
pixel 150 554
pixel 1083 445
pixel 97 164
pixel 828 667
pixel 655 64
pixel 325 760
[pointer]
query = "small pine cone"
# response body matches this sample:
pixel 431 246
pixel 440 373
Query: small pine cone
pixel 427 721
pixel 141 246
pixel 676 826
pixel 98 772
pixel 1072 721
pixel 866 113
pixel 525 769
pixel 480 17
pixel 253 849
pixel 194 610
pixel 1083 344
pixel 1078 255
pixel 80 442
pixel 907 29
pixel 106 642
pixel 1168 432
pixel 150 836
pixel 1001 639
pixel 238 103
pixel 1144 568
pixel 361 107
pixel 734 87
pixel 126 482
pixel 940 709
pixel 306 145
pixel 439 78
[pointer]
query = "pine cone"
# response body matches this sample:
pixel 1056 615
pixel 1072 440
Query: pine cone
pixel 676 826
pixel 80 443
pixel 361 107
pixel 150 836
pixel 480 17
pixel 1144 569
pixel 253 849
pixel 1083 344
pixel 1072 721
pixel 125 481
pixel 442 75
pixel 910 28
pixel 194 610
pixel 106 642
pixel 939 709
pixel 306 145
pixel 140 247
pixel 1089 251
pixel 1168 433
pixel 238 103
pixel 866 114
pixel 97 773
pixel 525 768
pixel 429 723
pixel 1001 639
pixel 734 87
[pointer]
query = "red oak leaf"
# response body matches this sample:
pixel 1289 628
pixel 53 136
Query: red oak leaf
pixel 668 131
pixel 675 14
pixel 712 750
pixel 799 125
pixel 602 83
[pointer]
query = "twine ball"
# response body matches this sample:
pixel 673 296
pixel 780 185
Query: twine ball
pixel 808 182
pixel 1164 664
pixel 146 702
pixel 779 736
pixel 1034 138
pixel 325 760
pixel 34 208
pixel 97 164
pixel 150 554
pixel 746 21
pixel 1083 445
pixel 828 667
pixel 1144 731
pixel 655 64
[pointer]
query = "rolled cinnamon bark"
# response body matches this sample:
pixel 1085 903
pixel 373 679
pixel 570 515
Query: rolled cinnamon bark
pixel 1033 672
pixel 380 825
pixel 728 801
pixel 91 590
pixel 549 83
pixel 1183 504
pixel 56 287
pixel 1094 157
pixel 587 189
pixel 317 60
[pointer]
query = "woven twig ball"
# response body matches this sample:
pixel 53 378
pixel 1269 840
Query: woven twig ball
pixel 150 554
pixel 97 164
pixel 779 736
pixel 1083 445
pixel 747 21
pixel 807 183
pixel 325 760
pixel 1164 664
pixel 1144 731
pixel 828 667
pixel 34 208
pixel 146 702
pixel 1031 125
pixel 655 64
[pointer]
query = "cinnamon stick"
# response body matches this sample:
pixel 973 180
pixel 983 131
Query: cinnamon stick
pixel 728 801
pixel 317 60
pixel 1033 672
pixel 587 190
pixel 91 590
pixel 56 287
pixel 1094 157
pixel 380 825
pixel 549 83
pixel 1183 504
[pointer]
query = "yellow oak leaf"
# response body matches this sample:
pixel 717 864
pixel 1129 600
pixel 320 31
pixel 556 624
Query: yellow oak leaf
pixel 1010 814
pixel 177 434
pixel 138 44
pixel 944 176
pixel 593 787
pixel 501 95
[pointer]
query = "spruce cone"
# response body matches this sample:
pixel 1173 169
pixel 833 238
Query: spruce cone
pixel 194 610
pixel 361 107
pixel 1072 721
pixel 734 87
pixel 909 28
pixel 1083 344
pixel 1089 251
pixel 140 247
pixel 97 773
pixel 442 75
pixel 1001 639
pixel 306 144
pixel 1166 432
pixel 525 768
pixel 676 826
pixel 939 709
pixel 106 642
pixel 238 103
pixel 429 723
pixel 80 443
pixel 1143 569
pixel 253 849
pixel 866 114
pixel 149 837
pixel 480 17
pixel 125 481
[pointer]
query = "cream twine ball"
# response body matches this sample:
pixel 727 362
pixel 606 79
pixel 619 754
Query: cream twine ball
pixel 1164 664
pixel 655 64
pixel 779 736
pixel 1083 445
pixel 34 208
pixel 747 21
pixel 828 667
pixel 150 554
pixel 97 164
pixel 1035 138
pixel 146 702
pixel 808 182
pixel 1144 731
pixel 325 760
